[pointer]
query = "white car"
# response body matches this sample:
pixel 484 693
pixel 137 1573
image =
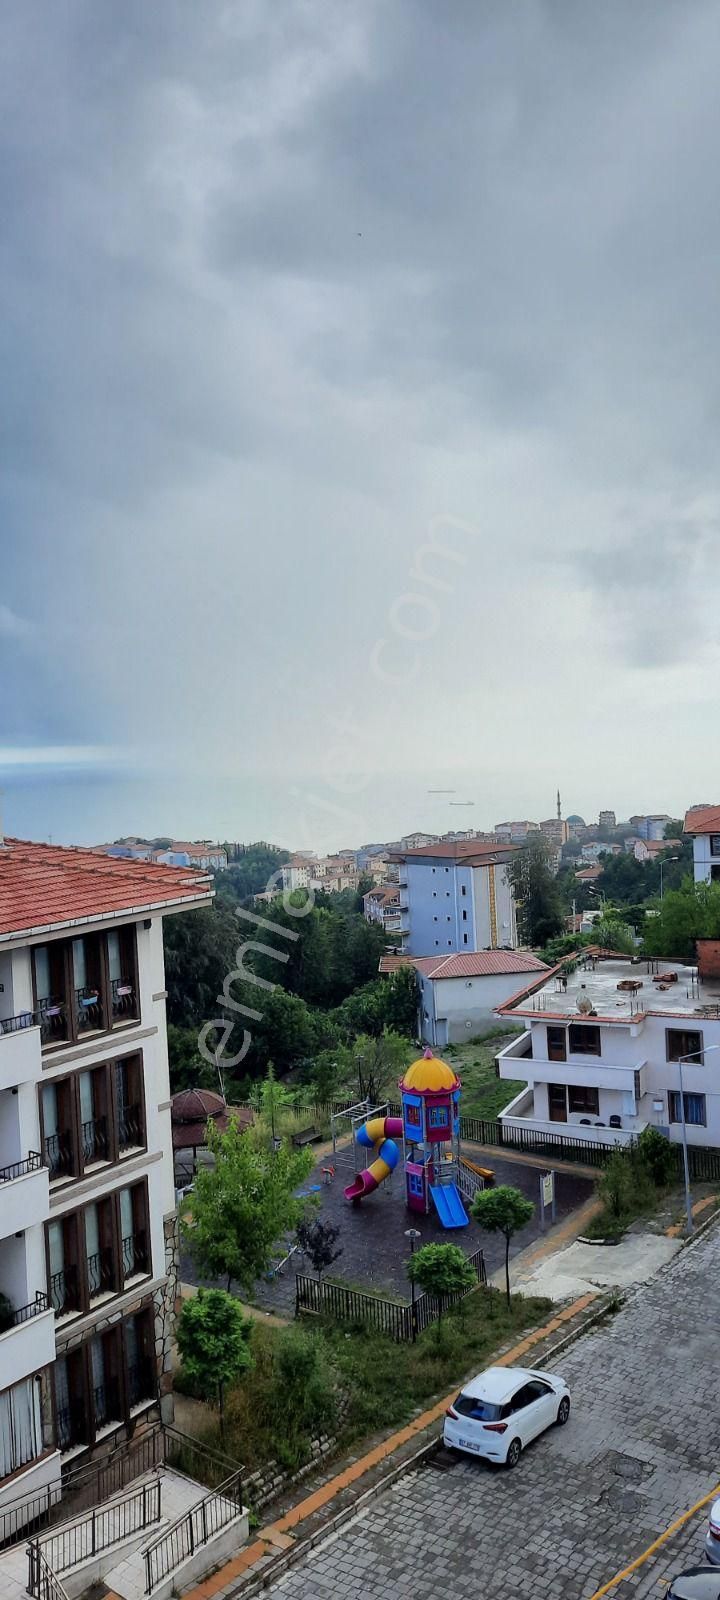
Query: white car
pixel 712 1540
pixel 499 1412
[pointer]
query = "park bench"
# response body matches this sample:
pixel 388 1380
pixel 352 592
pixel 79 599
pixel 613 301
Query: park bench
pixel 306 1136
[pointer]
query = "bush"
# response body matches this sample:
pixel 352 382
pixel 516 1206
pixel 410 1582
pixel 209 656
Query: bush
pixel 659 1156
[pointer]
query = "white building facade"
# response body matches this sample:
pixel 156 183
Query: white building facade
pixel 601 1052
pixel 703 824
pixel 459 995
pixel 88 1243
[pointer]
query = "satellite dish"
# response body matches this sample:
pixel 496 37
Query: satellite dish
pixel 585 1005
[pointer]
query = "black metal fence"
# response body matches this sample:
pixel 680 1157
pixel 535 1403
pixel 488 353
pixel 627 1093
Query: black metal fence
pixel 95 1531
pixel 191 1531
pixel 399 1321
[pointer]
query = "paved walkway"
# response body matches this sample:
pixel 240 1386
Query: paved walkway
pixel 586 1501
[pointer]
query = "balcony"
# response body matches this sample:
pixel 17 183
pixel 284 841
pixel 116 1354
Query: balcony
pixel 131 1128
pixel 24 1194
pixel 89 1012
pixel 60 1156
pixel 95 1143
pixel 28 1344
pixel 521 1126
pixel 101 1276
pixel 123 1000
pixel 20 1059
pixel 65 1291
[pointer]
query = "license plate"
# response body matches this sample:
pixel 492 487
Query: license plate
pixel 467 1444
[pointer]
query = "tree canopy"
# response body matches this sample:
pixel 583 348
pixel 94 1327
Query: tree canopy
pixel 540 910
pixel 502 1210
pixel 683 916
pixel 441 1270
pixel 212 1337
pixel 242 1206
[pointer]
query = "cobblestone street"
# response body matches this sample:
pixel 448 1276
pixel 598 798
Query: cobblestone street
pixel 642 1446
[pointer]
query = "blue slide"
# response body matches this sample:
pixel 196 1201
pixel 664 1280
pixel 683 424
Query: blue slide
pixel 447 1201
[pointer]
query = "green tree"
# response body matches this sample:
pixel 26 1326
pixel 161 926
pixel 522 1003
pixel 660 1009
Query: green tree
pixel 613 934
pixel 242 1205
pixel 187 1068
pixel 212 1336
pixel 269 1098
pixel 502 1210
pixel 539 903
pixel 441 1270
pixel 683 916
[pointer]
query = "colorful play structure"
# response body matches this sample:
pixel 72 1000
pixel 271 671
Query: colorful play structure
pixel 429 1129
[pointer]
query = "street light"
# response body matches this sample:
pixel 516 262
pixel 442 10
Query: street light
pixel 691 1056
pixel 412 1234
pixel 663 864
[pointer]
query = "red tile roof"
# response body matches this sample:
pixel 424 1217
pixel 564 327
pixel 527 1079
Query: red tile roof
pixel 468 964
pixel 46 886
pixel 473 851
pixel 703 819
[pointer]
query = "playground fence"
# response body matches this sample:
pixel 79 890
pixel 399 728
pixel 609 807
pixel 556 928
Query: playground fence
pixel 401 1322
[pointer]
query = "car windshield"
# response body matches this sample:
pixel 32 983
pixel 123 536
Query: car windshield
pixel 469 1405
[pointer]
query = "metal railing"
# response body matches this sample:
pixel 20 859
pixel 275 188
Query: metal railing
pixel 94 1136
pixel 94 1483
pixel 89 1011
pixel 51 1014
pixel 142 1382
pixel 106 1404
pixel 193 1530
pixel 25 1019
pixel 60 1155
pixel 469 1183
pixel 100 1272
pixel 397 1319
pixel 130 1127
pixel 123 998
pixel 23 1314
pixel 95 1531
pixel 134 1254
pixel 19 1169
pixel 64 1290
pixel 42 1581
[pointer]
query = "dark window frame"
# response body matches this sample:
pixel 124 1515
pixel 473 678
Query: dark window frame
pixel 118 1148
pixel 114 1265
pixel 557 1047
pixel 715 844
pixel 684 1048
pixel 586 1092
pixel 64 1020
pixel 674 1107
pixel 587 1032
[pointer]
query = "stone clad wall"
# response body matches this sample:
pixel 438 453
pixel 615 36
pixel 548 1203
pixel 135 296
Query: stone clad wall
pixel 167 1306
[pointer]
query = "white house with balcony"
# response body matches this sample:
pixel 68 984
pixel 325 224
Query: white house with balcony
pixel 703 825
pixel 605 1042
pixel 88 1246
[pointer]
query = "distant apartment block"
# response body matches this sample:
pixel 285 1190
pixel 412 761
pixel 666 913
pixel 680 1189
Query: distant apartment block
pixel 607 819
pixel 555 830
pixel 456 897
pixel 651 849
pixel 201 855
pixel 703 824
pixel 383 906
pixel 88 1237
pixel 514 832
pixel 650 827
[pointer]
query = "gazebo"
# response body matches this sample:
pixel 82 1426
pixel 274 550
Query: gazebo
pixel 190 1111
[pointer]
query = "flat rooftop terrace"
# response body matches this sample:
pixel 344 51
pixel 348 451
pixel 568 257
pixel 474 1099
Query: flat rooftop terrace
pixel 663 986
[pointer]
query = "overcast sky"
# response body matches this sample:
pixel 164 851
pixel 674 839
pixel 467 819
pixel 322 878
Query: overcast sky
pixel 291 290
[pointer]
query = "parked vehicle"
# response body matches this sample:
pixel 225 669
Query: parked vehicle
pixel 698 1583
pixel 712 1541
pixel 502 1410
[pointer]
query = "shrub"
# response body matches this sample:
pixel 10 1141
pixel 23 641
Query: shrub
pixel 658 1155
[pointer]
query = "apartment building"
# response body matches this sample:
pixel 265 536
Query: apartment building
pixel 382 905
pixel 514 832
pixel 603 1049
pixel 703 825
pixel 88 1240
pixel 456 897
pixel 607 819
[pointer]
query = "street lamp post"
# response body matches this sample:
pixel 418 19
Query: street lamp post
pixel 412 1234
pixel 691 1056
pixel 664 864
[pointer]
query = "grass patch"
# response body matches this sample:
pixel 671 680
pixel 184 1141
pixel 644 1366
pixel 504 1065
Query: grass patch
pixel 300 1373
pixel 483 1093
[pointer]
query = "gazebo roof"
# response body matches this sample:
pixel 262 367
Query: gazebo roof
pixel 190 1111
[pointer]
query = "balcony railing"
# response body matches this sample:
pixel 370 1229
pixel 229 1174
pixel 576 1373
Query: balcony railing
pixel 21 1314
pixel 60 1155
pixel 130 1127
pixel 95 1140
pixel 123 999
pixel 19 1169
pixel 100 1273
pixel 89 1011
pixel 64 1291
pixel 71 1423
pixel 25 1019
pixel 135 1254
pixel 106 1404
pixel 52 1017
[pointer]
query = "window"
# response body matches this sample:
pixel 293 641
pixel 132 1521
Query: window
pixel 58 1129
pixel 106 1397
pixel 63 1271
pixel 694 1105
pixel 437 1117
pixel 464 916
pixel 139 1346
pixel 129 1107
pixel 93 1116
pixel 134 1231
pixel 463 890
pixel 685 1042
pixel 582 1098
pixel 584 1040
pixel 85 985
pixel 94 1136
pixel 71 1411
pixel 100 1259
pixel 21 1437
pixel 434 919
pixel 469 1405
pixel 537 1390
pixel 556 1044
pixel 464 938
pixel 715 844
pixel 412 1116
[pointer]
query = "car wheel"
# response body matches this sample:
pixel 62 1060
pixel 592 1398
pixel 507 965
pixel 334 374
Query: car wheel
pixel 563 1411
pixel 513 1455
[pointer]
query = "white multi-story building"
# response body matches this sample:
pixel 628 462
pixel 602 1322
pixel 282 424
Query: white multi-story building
pixel 456 897
pixel 382 905
pixel 703 824
pixel 601 1051
pixel 88 1244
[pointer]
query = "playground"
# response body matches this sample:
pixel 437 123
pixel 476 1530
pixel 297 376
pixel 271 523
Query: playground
pixel 386 1174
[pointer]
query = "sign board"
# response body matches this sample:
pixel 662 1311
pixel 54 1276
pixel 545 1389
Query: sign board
pixel 548 1188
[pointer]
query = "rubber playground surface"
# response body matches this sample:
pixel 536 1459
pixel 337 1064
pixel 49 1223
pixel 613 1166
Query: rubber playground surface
pixel 372 1232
